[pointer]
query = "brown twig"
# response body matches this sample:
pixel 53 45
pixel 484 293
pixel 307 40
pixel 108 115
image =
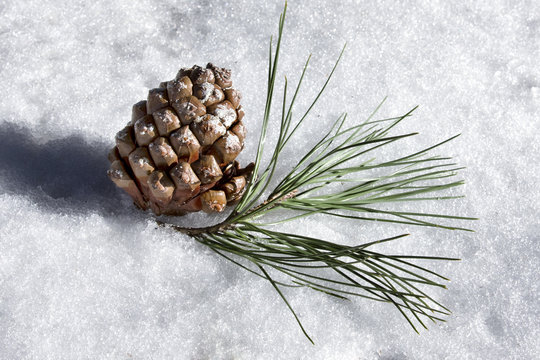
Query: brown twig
pixel 225 225
pixel 197 231
pixel 290 195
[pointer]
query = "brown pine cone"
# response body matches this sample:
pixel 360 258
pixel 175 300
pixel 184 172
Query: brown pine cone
pixel 177 154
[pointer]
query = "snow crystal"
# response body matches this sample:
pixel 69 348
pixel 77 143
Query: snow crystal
pixel 180 85
pixel 232 143
pixel 226 114
pixel 212 124
pixel 146 129
pixel 118 174
pixel 182 137
pixel 207 90
pixel 166 151
pixel 84 274
pixel 141 161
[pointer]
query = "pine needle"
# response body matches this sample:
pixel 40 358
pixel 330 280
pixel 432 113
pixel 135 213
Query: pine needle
pixel 339 177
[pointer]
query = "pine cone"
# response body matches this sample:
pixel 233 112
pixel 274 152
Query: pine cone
pixel 177 154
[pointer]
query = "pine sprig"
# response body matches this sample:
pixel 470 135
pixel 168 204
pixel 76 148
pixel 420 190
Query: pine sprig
pixel 341 177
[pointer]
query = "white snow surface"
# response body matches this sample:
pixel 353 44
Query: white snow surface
pixel 85 275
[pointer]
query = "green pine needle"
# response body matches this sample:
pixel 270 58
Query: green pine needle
pixel 335 179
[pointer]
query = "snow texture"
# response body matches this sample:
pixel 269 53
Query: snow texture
pixel 84 275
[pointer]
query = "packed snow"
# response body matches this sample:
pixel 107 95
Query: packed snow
pixel 85 275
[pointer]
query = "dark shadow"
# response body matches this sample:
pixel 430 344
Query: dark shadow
pixel 68 174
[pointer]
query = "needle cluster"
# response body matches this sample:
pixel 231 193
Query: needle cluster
pixel 335 178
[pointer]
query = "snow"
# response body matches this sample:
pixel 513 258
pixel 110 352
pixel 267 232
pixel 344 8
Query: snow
pixel 83 274
pixel 207 90
pixel 226 114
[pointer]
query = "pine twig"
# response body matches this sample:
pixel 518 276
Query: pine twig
pixel 314 186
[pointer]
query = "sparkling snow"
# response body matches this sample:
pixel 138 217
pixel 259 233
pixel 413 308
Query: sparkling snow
pixel 84 275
